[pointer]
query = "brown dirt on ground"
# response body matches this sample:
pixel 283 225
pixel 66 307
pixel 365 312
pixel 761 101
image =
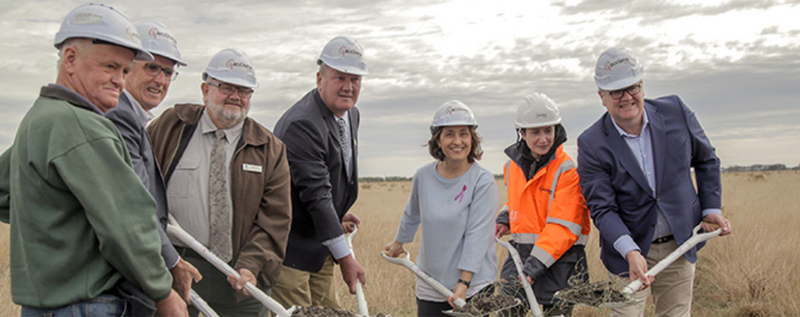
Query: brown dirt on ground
pixel 592 294
pixel 319 311
pixel 488 304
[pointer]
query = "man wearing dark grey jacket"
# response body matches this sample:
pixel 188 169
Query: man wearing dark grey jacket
pixel 321 136
pixel 146 86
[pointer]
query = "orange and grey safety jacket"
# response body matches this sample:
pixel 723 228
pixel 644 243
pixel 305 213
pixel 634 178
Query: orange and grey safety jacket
pixel 548 210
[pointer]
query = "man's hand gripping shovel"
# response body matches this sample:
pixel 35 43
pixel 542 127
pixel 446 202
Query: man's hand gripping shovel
pixel 362 301
pixel 634 286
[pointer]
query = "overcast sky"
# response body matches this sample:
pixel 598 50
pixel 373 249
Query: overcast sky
pixel 735 63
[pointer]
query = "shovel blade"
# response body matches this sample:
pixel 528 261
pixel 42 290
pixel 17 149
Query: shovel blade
pixel 454 313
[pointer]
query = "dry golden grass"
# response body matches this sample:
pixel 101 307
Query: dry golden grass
pixel 751 273
pixel 7 308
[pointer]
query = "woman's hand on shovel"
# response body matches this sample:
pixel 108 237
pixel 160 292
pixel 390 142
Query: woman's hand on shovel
pixel 460 291
pixel 393 249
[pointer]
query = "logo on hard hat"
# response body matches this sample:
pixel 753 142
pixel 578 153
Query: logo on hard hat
pixel 87 18
pixel 231 63
pixel 450 110
pixel 132 34
pixel 540 115
pixel 155 33
pixel 609 65
pixel 344 50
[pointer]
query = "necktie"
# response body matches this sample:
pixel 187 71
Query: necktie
pixel 220 236
pixel 344 141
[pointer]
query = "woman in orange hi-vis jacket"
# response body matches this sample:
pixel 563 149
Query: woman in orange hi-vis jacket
pixel 546 212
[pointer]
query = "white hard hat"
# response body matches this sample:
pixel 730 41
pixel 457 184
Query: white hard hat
pixel 105 23
pixel 232 66
pixel 344 54
pixel 157 40
pixel 617 68
pixel 453 112
pixel 537 111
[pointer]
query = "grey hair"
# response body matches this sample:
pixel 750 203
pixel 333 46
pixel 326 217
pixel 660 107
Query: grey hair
pixel 81 44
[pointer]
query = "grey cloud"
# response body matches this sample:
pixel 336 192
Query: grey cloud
pixel 654 11
pixel 734 97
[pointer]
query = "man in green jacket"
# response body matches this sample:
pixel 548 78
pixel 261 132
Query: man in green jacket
pixel 83 234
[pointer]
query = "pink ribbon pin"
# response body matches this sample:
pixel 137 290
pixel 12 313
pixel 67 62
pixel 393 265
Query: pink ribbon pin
pixel 460 195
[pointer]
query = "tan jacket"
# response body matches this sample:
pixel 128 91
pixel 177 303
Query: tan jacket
pixel 261 201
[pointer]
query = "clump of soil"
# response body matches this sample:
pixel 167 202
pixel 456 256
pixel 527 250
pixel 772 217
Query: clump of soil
pixel 487 304
pixel 319 311
pixel 593 294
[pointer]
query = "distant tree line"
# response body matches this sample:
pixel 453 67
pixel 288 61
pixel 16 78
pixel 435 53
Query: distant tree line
pixel 759 168
pixel 735 168
pixel 383 179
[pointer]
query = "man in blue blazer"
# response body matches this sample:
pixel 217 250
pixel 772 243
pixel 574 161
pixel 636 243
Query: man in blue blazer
pixel 635 170
pixel 145 87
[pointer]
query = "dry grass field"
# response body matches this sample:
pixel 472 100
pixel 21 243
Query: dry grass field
pixel 750 273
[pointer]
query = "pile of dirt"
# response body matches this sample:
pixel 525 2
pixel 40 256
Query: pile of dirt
pixel 488 304
pixel 319 311
pixel 592 294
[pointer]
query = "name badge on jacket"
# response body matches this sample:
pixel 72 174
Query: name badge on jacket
pixel 251 168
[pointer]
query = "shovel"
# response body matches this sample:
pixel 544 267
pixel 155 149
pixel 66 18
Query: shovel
pixel 535 310
pixel 201 305
pixel 406 262
pixel 175 230
pixel 362 301
pixel 634 286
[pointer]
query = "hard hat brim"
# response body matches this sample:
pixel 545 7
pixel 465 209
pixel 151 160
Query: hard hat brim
pixel 346 69
pixel 622 83
pixel 232 81
pixel 537 125
pixel 168 56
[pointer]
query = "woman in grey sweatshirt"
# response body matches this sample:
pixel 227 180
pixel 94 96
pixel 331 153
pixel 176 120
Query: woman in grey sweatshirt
pixel 455 201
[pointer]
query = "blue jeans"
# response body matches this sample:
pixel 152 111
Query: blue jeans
pixel 103 306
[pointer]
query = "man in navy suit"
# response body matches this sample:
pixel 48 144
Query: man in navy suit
pixel 635 170
pixel 321 136
pixel 146 86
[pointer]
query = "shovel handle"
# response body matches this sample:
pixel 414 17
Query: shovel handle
pixel 525 285
pixel 363 310
pixel 406 262
pixel 201 305
pixel 696 238
pixel 175 231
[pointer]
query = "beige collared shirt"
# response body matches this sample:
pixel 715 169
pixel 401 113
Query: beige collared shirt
pixel 187 190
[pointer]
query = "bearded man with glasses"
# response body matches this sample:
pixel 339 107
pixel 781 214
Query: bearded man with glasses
pixel 228 185
pixel 635 166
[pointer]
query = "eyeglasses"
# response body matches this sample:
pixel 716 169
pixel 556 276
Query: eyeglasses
pixel 226 89
pixel 632 90
pixel 154 70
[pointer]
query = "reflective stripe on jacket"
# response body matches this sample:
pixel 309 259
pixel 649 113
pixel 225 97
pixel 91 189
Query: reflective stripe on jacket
pixel 553 220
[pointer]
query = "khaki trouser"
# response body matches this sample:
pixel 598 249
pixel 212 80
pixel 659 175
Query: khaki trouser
pixel 672 289
pixel 301 288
